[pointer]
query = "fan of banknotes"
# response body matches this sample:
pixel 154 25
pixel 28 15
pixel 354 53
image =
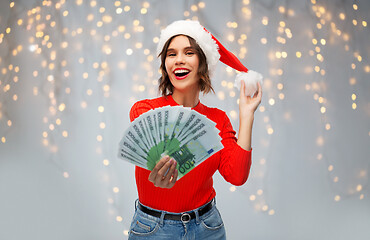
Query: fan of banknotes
pixel 180 132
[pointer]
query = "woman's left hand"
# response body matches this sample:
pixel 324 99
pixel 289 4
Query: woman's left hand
pixel 247 104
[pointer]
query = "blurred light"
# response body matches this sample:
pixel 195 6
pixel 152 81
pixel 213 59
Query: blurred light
pixel 320 141
pixel 367 68
pixel 265 21
pixel 271 101
pixel 352 81
pixel 270 131
pixel 201 4
pixel 65 134
pixel 233 114
pixel 194 8
pixel 281 9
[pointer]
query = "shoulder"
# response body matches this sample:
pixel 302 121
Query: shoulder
pixel 145 105
pixel 213 111
pixel 217 115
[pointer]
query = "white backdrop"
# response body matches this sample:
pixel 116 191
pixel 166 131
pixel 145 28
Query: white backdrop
pixel 71 70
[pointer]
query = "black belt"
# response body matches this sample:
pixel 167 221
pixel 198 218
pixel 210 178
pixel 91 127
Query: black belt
pixel 184 217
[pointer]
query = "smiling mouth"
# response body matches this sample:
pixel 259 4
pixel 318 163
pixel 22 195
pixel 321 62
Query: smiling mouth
pixel 181 73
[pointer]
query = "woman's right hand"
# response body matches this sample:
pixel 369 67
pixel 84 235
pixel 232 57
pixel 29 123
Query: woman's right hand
pixel 164 174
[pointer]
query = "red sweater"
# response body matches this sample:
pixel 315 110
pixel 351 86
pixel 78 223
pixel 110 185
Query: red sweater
pixel 196 187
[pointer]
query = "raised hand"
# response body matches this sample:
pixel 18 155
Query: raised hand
pixel 247 104
pixel 247 107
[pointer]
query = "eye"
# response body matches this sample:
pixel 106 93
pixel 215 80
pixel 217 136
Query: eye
pixel 190 53
pixel 171 54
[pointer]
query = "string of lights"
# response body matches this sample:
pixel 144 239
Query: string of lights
pixel 85 47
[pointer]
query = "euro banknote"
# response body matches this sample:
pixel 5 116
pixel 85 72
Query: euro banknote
pixel 179 132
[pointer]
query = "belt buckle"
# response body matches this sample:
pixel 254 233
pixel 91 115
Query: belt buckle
pixel 185 218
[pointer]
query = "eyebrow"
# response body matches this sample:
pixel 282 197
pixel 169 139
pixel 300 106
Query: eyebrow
pixel 187 48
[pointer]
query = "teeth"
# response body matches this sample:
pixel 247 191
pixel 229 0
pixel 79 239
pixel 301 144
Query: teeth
pixel 181 71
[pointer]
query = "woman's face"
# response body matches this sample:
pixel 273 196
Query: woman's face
pixel 182 65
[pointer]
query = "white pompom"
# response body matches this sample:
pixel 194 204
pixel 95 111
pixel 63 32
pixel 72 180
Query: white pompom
pixel 250 79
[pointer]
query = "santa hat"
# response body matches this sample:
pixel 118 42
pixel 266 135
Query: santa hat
pixel 213 50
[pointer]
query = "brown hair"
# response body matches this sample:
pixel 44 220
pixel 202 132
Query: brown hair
pixel 165 85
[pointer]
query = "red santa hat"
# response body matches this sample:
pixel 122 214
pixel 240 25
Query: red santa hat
pixel 213 50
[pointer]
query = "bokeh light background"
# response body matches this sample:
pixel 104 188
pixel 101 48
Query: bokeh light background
pixel 71 70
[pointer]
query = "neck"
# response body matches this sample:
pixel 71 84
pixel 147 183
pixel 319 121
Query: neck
pixel 187 100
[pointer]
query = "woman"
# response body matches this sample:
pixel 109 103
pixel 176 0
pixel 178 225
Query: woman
pixel 185 209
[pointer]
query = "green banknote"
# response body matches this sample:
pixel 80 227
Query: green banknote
pixel 179 132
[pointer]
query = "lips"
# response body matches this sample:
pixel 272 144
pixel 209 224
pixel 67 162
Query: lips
pixel 181 73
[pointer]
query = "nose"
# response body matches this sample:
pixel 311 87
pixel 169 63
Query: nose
pixel 180 59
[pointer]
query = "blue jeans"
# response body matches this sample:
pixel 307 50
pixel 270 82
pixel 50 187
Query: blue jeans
pixel 208 226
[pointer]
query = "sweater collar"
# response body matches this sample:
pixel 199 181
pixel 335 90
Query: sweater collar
pixel 172 102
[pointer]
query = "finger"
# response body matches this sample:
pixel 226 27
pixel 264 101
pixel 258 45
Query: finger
pixel 162 172
pixel 170 172
pixel 255 94
pixel 259 95
pixel 242 88
pixel 174 177
pixel 157 167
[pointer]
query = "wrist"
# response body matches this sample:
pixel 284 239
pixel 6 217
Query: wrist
pixel 249 117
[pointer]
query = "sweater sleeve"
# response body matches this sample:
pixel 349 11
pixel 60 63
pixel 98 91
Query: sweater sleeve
pixel 139 108
pixel 235 162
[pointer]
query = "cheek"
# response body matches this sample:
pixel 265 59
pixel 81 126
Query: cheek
pixel 196 62
pixel 167 65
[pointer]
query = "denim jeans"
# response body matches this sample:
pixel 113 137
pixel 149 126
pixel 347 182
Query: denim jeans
pixel 207 226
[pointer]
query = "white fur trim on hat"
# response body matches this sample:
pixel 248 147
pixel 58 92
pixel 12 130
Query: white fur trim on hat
pixel 194 30
pixel 250 79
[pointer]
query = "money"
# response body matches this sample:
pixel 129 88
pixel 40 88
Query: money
pixel 179 132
